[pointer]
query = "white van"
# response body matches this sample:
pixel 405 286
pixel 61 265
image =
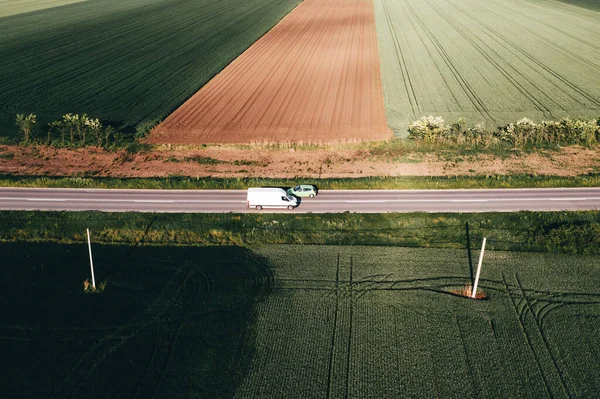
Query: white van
pixel 260 198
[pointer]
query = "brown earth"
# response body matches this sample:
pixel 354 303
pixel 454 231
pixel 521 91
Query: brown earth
pixel 313 78
pixel 230 161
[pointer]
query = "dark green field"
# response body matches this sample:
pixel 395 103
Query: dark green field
pixel 122 61
pixel 296 322
pixel 170 322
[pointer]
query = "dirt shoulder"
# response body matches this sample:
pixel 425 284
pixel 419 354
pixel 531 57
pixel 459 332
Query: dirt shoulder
pixel 226 161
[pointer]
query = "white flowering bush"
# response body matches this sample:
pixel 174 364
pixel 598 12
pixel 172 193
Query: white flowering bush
pixel 428 128
pixel 565 130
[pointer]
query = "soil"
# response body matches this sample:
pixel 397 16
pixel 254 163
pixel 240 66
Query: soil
pixel 314 77
pixel 231 161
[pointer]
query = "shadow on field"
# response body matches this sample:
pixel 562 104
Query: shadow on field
pixel 173 320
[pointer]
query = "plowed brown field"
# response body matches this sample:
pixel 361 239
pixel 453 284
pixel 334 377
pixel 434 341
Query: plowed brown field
pixel 313 78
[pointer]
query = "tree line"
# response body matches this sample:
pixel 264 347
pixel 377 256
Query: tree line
pixel 72 130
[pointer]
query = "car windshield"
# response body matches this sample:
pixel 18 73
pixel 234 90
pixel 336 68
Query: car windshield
pixel 297 188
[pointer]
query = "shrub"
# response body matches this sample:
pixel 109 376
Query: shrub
pixel 432 129
pixel 26 124
pixel 429 129
pixel 144 128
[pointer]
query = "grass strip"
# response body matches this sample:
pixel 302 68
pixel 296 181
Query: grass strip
pixel 560 232
pixel 365 183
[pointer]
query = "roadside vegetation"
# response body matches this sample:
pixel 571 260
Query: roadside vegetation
pixel 569 232
pixel 359 183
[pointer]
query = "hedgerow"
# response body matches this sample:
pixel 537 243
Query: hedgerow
pixel 432 129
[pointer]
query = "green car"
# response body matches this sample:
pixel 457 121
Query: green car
pixel 303 190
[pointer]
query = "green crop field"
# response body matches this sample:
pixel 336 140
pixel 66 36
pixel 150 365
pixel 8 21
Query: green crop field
pixel 123 61
pixel 296 321
pixel 491 62
pixel 379 322
pixel 13 7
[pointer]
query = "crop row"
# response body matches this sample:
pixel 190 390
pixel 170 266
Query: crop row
pixel 123 62
pixel 413 338
pixel 487 62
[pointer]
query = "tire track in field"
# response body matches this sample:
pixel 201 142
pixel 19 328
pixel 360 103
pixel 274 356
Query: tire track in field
pixel 519 314
pixel 467 89
pixel 106 345
pixel 548 347
pixel 460 28
pixel 280 103
pixel 333 335
pixel 433 60
pixel 166 336
pixel 203 106
pixel 408 86
pixel 208 102
pixel 284 86
pixel 554 27
pixel 257 92
pixel 517 49
pixel 504 42
pixel 349 352
pixel 244 68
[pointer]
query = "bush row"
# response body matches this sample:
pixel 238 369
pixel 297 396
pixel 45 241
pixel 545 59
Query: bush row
pixel 432 129
pixel 75 130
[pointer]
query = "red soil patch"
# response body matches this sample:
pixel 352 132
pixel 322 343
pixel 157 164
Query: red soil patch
pixel 313 78
pixel 253 162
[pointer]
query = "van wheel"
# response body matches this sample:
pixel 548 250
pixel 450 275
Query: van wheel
pixel 290 207
pixel 311 196
pixel 258 207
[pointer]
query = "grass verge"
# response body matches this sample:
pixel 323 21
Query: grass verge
pixel 567 232
pixel 362 183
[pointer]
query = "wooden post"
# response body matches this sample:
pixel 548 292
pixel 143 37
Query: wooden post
pixel 91 262
pixel 478 268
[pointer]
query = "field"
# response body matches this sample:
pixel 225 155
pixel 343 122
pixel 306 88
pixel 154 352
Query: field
pixel 491 62
pixel 296 321
pixel 313 78
pixel 125 62
pixel 13 7
pixel 169 322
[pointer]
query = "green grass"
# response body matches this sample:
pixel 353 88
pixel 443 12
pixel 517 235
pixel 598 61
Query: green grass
pixel 125 62
pixel 568 232
pixel 367 183
pixel 296 321
pixel 490 62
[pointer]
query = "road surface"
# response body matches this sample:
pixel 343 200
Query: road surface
pixel 338 201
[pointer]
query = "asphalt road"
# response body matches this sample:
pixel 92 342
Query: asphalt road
pixel 338 201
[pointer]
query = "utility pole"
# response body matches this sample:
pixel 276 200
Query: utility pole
pixel 91 262
pixel 478 268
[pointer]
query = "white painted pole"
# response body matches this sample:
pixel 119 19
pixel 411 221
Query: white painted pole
pixel 91 262
pixel 478 268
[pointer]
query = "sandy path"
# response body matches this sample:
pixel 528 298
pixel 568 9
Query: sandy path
pixel 314 77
